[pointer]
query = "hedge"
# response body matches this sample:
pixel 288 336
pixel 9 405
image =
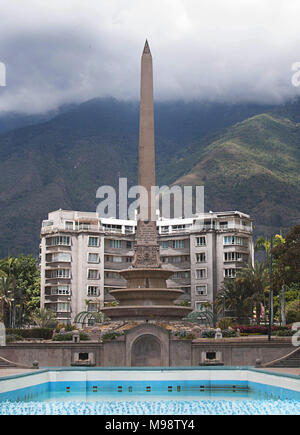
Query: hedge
pixel 259 329
pixel 44 333
pixel 69 336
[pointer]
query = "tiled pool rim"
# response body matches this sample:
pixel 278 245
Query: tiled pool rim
pixel 149 369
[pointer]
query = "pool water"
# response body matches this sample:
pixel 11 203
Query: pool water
pixel 99 396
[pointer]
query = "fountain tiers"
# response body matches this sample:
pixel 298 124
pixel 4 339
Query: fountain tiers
pixel 146 297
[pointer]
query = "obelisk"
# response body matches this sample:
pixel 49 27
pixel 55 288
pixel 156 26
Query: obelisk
pixel 146 296
pixel 146 249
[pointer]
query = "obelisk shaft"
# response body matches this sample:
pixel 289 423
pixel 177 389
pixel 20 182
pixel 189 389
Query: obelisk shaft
pixel 146 176
pixel 147 249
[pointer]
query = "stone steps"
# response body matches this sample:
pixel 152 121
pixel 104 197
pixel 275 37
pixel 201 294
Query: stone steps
pixel 292 360
pixel 6 364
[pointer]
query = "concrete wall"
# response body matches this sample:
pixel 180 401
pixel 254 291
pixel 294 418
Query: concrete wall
pixel 242 352
pixel 178 352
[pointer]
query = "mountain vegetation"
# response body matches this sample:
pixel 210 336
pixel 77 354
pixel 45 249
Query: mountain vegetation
pixel 246 156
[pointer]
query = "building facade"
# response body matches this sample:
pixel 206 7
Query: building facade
pixel 81 254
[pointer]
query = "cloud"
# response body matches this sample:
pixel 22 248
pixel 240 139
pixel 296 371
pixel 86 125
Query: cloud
pixel 216 50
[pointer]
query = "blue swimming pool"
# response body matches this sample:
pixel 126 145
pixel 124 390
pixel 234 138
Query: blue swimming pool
pixel 159 391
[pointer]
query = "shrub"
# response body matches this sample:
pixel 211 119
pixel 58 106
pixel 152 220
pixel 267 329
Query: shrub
pixel 184 304
pixel 67 328
pixel 208 333
pixel 259 329
pixel 225 323
pixel 13 337
pixel 293 311
pixel 284 333
pixel 111 335
pixel 43 333
pixel 68 336
pixel 63 337
pixel 185 335
pixel 229 333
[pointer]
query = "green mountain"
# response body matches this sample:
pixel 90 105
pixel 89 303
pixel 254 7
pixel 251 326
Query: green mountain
pixel 247 156
pixel 253 167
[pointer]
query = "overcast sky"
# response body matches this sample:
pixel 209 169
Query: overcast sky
pixel 63 51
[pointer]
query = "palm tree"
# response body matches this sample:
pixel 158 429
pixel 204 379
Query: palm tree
pixel 255 280
pixel 236 297
pixel 9 268
pixel 6 288
pixel 275 278
pixel 204 316
pixel 43 317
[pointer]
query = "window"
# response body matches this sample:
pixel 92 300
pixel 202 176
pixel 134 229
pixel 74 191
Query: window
pixel 176 259
pixel 93 258
pixel 58 273
pixel 69 225
pixel 201 257
pixel 93 274
pixel 61 257
pixel 201 273
pixel 93 290
pixel 201 241
pixel 223 225
pixel 232 256
pixel 129 259
pixel 117 259
pixel 112 275
pixel 178 227
pixel 200 306
pixel 178 244
pixel 233 240
pixel 229 273
pixel 128 245
pixel 180 275
pixel 115 244
pixel 201 290
pixel 165 245
pixel 58 240
pixel 63 307
pixel 94 241
pixel 61 290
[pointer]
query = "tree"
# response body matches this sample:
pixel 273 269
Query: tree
pixel 264 244
pixel 204 316
pixel 287 256
pixel 6 287
pixel 255 280
pixel 44 318
pixel 235 296
pixel 276 279
pixel 24 275
pixel 293 311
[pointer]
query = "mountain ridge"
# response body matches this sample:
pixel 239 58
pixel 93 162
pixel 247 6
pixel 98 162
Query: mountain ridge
pixel 61 162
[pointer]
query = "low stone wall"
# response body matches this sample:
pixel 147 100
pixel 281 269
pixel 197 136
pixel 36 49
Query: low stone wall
pixel 241 351
pixel 114 353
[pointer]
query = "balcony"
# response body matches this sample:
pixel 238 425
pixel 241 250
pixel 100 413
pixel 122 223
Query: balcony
pixel 63 228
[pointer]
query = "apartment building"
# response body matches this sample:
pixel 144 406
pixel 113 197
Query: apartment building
pixel 81 254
